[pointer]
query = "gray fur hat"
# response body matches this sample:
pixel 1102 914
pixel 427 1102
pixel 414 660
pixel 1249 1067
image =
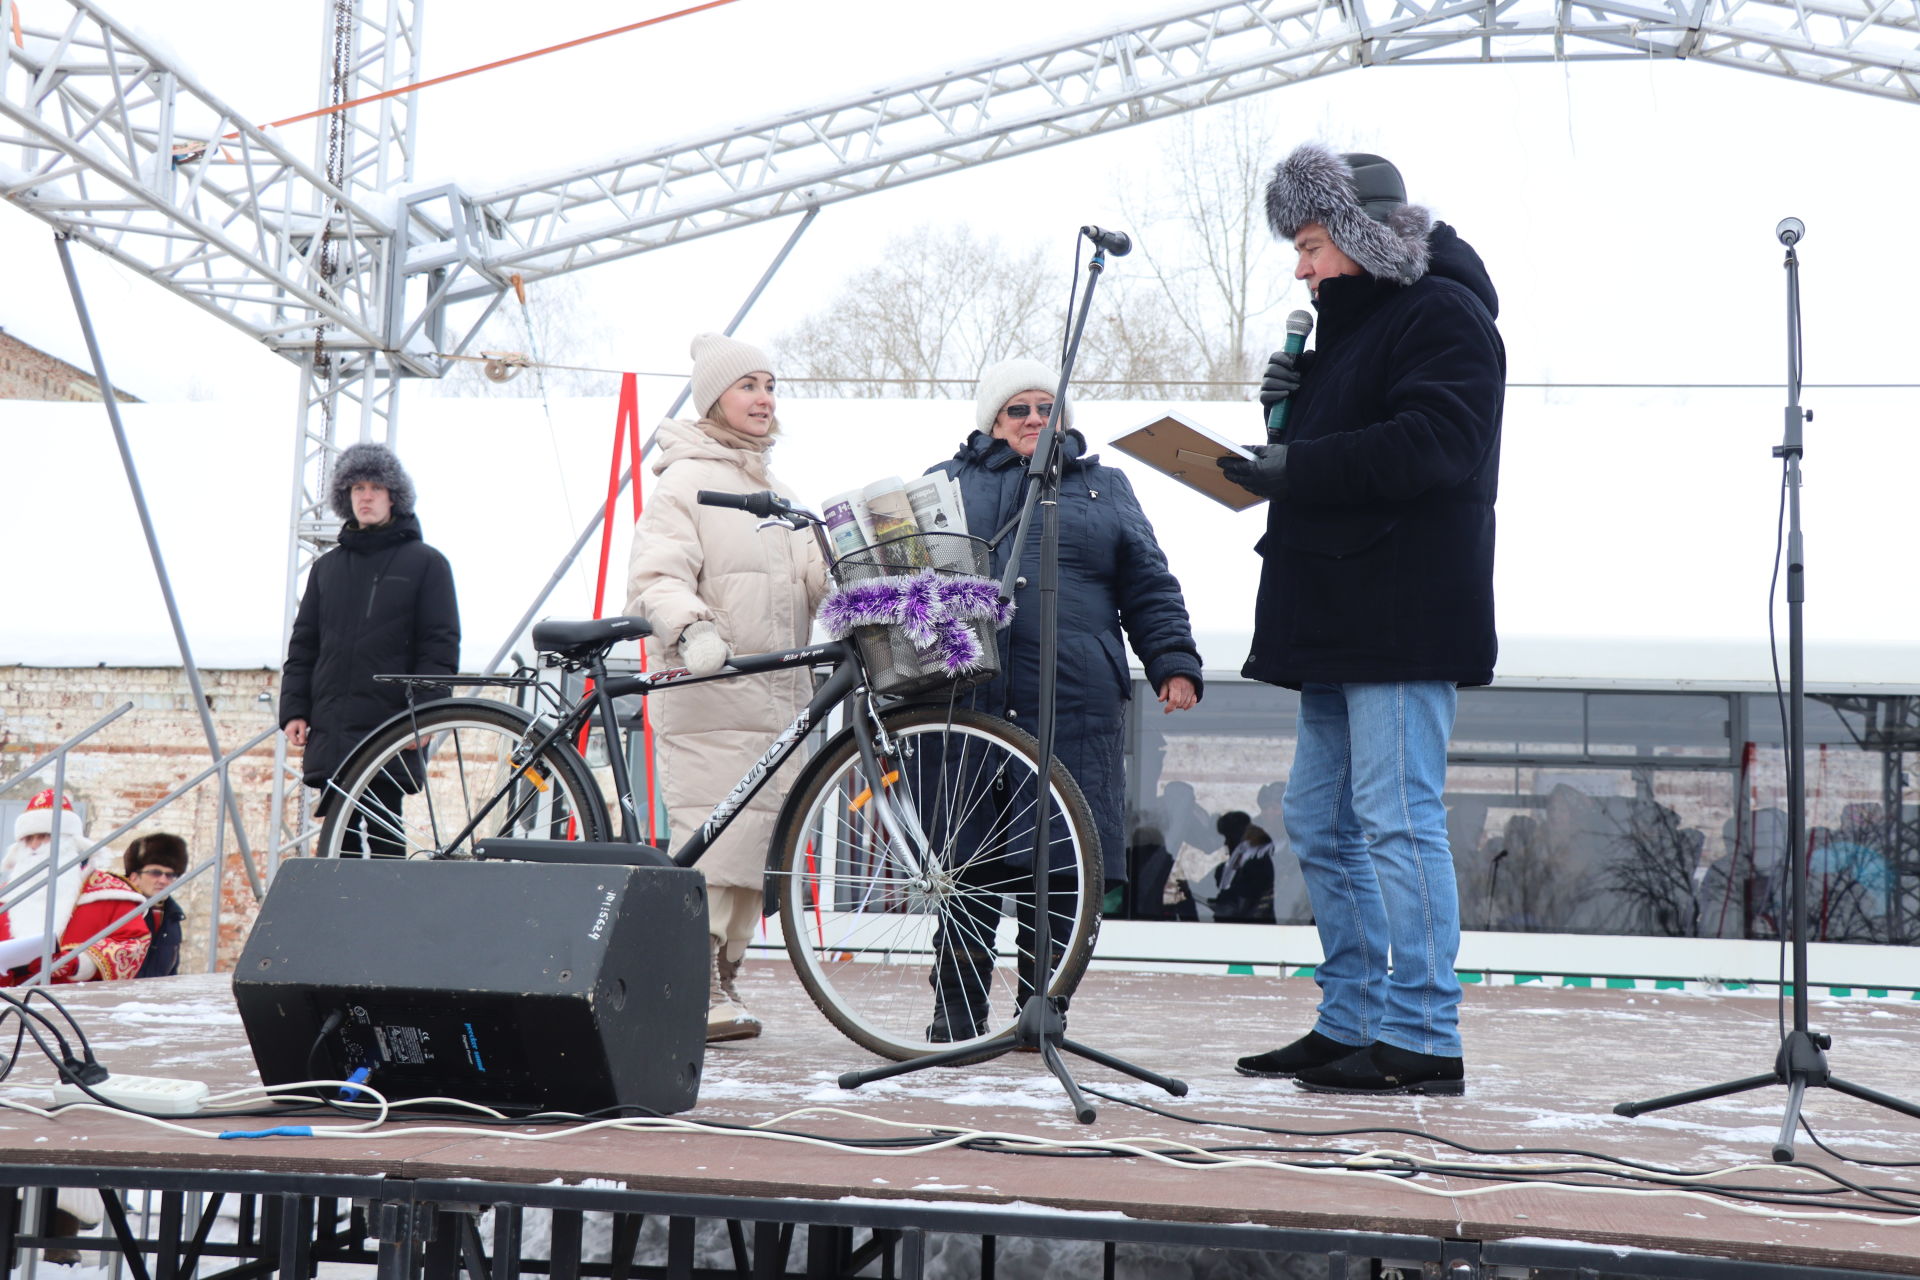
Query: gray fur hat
pixel 1361 202
pixel 374 462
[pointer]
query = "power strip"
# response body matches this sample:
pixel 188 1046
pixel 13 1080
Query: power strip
pixel 153 1094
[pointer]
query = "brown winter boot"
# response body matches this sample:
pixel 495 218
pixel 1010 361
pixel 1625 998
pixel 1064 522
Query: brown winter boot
pixel 727 1017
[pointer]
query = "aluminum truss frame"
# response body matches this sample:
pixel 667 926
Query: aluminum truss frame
pixel 1057 93
pixel 436 1230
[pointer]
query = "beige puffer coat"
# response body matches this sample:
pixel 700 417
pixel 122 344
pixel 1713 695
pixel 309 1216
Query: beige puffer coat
pixel 759 583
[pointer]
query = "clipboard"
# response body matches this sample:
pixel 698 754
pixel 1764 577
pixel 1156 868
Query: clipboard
pixel 1181 448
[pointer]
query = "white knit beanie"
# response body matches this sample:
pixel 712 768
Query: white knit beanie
pixel 719 362
pixel 1003 381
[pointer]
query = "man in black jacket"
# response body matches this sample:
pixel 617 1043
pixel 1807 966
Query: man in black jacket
pixel 381 603
pixel 1376 602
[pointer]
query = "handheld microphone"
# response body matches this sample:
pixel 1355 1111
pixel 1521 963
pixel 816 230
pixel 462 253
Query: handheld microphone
pixel 1299 325
pixel 1791 231
pixel 1114 242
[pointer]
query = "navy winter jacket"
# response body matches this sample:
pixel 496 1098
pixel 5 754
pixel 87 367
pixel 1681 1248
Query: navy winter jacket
pixel 1378 558
pixel 1113 578
pixel 380 603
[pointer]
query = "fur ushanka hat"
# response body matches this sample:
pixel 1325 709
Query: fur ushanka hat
pixel 373 462
pixel 1361 202
pixel 159 849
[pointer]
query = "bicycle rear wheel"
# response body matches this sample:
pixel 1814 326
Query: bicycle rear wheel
pixel 894 937
pixel 419 781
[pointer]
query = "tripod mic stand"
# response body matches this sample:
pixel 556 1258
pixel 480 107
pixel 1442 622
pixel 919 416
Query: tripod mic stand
pixel 1041 1024
pixel 1802 1061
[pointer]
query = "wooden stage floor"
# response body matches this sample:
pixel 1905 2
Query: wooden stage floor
pixel 1545 1067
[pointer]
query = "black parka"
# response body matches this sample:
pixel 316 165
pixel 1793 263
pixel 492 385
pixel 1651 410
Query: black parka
pixel 1113 577
pixel 1378 557
pixel 380 603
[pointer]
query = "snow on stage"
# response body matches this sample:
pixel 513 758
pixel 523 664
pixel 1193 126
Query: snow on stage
pixel 778 1171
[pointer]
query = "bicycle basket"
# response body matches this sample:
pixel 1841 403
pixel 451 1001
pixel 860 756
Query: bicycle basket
pixel 922 610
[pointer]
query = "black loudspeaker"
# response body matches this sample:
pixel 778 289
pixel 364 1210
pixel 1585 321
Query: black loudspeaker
pixel 514 985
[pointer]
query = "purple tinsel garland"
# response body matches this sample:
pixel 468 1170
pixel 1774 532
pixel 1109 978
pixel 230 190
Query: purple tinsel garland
pixel 934 609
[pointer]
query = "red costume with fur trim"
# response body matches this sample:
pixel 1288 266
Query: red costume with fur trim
pixel 80 910
pixel 104 898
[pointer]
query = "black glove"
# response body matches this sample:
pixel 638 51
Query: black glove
pixel 1265 473
pixel 1282 378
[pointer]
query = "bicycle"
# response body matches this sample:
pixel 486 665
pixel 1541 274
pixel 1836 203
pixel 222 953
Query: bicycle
pixel 878 853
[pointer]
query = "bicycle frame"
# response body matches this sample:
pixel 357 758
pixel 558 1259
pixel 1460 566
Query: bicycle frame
pixel 843 685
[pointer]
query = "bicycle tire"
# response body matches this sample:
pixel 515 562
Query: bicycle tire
pixel 468 760
pixel 868 956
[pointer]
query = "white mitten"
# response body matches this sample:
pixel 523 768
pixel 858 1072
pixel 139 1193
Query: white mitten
pixel 702 649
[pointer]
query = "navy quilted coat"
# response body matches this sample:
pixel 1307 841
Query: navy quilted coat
pixel 1113 578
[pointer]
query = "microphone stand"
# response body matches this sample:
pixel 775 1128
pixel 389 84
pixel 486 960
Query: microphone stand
pixel 1801 1063
pixel 1041 1024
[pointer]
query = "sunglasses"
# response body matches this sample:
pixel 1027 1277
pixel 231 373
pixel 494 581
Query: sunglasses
pixel 158 872
pixel 1020 410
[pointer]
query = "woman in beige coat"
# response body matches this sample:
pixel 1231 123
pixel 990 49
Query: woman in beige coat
pixel 715 581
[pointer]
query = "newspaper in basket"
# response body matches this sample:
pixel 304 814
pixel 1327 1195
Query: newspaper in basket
pixel 923 610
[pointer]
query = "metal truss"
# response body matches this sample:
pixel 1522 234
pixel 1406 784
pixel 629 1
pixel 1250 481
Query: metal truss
pixel 1054 94
pixel 145 164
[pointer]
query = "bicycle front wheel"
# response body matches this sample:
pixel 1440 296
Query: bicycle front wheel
pixel 429 783
pixel 912 928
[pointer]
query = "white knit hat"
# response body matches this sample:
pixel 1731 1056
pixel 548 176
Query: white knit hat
pixel 1002 382
pixel 719 362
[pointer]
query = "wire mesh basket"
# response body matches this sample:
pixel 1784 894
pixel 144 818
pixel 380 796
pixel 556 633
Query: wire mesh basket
pixel 897 664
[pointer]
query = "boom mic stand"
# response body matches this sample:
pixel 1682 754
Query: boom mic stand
pixel 1802 1061
pixel 1041 1024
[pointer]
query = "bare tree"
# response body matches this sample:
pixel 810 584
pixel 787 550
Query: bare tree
pixel 939 306
pixel 1202 235
pixel 943 304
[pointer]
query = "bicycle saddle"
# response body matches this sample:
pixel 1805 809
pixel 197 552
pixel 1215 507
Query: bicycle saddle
pixel 573 639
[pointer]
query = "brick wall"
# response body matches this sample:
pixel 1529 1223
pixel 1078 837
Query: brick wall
pixel 137 759
pixel 28 373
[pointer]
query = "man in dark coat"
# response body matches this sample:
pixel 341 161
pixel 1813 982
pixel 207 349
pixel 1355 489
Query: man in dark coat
pixel 154 863
pixel 381 603
pixel 1376 602
pixel 1113 578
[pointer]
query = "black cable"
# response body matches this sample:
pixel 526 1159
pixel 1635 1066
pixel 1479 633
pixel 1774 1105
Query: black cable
pixel 1783 925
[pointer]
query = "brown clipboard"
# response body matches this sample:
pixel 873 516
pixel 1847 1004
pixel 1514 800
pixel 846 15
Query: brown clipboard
pixel 1181 448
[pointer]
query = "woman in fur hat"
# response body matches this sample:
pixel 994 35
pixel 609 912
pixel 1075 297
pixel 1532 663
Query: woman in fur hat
pixel 86 901
pixel 1113 580
pixel 380 603
pixel 713 582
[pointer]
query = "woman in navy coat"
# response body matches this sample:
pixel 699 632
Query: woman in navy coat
pixel 1113 580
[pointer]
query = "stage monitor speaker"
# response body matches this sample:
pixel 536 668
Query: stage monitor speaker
pixel 517 986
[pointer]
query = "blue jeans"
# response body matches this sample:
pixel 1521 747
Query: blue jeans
pixel 1365 814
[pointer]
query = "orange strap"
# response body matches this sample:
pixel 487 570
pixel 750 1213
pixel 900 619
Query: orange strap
pixel 18 38
pixel 487 66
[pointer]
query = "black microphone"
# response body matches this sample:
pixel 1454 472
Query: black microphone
pixel 1114 242
pixel 1791 231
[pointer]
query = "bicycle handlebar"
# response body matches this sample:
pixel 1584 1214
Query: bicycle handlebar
pixel 764 503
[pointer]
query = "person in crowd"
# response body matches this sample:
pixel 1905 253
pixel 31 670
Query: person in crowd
pixel 86 902
pixel 380 603
pixel 1152 865
pixel 1376 602
pixel 1113 580
pixel 1290 903
pixel 1245 880
pixel 154 863
pixel 713 581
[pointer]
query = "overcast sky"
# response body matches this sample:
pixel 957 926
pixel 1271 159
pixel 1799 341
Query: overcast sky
pixel 1626 211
